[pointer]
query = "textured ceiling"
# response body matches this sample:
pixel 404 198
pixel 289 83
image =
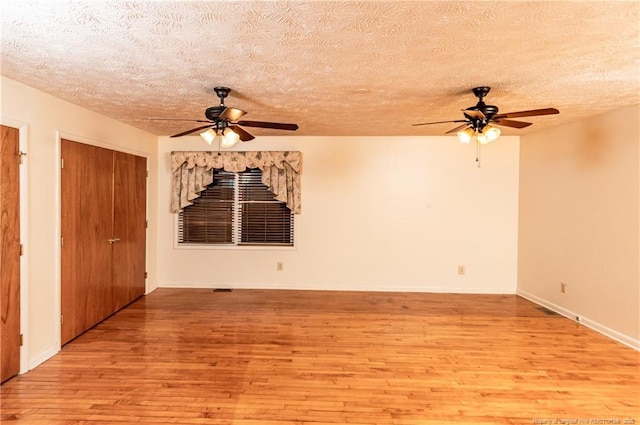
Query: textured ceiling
pixel 333 67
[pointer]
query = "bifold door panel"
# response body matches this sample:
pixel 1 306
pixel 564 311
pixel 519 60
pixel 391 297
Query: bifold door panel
pixel 103 234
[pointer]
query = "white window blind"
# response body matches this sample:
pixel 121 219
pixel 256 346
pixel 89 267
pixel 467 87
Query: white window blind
pixel 236 209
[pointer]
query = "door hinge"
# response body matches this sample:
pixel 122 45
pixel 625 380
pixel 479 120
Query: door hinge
pixel 146 224
pixel 61 319
pixel 61 241
pixel 61 162
pixel 21 155
pixel 145 275
pixel 21 250
pixel 147 173
pixel 21 340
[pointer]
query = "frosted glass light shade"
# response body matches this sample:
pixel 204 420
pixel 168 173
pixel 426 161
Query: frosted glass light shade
pixel 230 138
pixel 491 132
pixel 488 134
pixel 208 136
pixel 466 135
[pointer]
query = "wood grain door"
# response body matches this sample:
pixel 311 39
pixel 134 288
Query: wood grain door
pixel 130 204
pixel 87 232
pixel 10 254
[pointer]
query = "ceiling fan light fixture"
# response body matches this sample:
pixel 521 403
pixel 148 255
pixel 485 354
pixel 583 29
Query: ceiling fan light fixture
pixel 477 118
pixel 488 134
pixel 221 117
pixel 229 138
pixel 208 136
pixel 466 135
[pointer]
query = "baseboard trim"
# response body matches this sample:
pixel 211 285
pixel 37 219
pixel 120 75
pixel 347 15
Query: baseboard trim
pixel 346 287
pixel 591 324
pixel 43 357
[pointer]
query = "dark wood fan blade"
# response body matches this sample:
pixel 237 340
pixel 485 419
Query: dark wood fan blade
pixel 244 135
pixel 232 114
pixel 458 128
pixel 531 113
pixel 511 123
pixel 193 130
pixel 437 122
pixel 174 119
pixel 263 124
pixel 473 114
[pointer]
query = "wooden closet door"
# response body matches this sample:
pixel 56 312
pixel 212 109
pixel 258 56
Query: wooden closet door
pixel 130 206
pixel 87 227
pixel 9 254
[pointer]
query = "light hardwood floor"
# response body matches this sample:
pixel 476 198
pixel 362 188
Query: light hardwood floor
pixel 252 357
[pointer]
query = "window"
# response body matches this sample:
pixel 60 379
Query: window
pixel 236 209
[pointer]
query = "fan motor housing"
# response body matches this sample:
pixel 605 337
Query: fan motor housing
pixel 213 113
pixel 488 110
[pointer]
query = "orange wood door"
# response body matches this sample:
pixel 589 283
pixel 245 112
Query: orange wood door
pixel 130 204
pixel 87 228
pixel 10 254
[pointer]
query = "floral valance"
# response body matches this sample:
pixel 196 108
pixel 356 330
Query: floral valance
pixel 193 171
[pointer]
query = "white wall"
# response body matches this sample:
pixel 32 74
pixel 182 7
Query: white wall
pixel 45 117
pixel 378 213
pixel 579 221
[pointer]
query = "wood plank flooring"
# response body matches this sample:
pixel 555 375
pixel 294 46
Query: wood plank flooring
pixel 254 357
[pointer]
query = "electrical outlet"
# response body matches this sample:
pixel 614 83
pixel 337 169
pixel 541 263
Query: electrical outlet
pixel 563 287
pixel 279 266
pixel 461 270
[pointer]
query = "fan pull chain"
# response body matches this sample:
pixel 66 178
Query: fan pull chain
pixel 478 152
